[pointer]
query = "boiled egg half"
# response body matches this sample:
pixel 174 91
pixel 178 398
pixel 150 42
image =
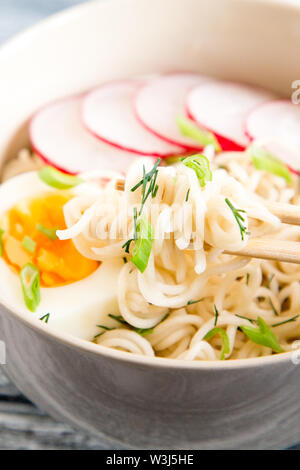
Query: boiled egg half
pixel 76 292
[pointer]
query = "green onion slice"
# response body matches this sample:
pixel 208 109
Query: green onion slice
pixel 189 129
pixel 30 281
pixel 48 232
pixel 57 179
pixel 1 241
pixel 143 244
pixel 29 244
pixel 262 335
pixel 200 164
pixel 225 340
pixel 265 160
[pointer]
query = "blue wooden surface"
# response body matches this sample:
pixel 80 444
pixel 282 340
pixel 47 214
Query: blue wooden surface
pixel 23 426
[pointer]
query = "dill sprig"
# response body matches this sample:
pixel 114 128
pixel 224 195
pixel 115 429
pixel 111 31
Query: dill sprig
pixel 127 244
pixel 216 315
pixel 140 331
pixel 148 183
pixel 273 308
pixel 238 217
pixel 191 302
pixel 286 321
pixel 268 284
pixel 187 195
pixel 45 318
pixel 245 318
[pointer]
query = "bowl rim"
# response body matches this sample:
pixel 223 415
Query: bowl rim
pixel 88 347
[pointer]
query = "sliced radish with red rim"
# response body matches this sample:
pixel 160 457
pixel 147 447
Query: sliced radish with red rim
pixel 108 113
pixel 59 138
pixel 161 101
pixel 222 108
pixel 277 123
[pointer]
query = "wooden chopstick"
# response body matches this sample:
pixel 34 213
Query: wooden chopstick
pixel 277 250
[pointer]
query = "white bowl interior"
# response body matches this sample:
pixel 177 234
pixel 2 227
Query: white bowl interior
pixel 251 41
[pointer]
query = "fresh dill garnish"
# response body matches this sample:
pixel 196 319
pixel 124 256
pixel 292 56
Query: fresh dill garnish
pixel 148 184
pixel 187 195
pixel 125 260
pixel 245 318
pixel 45 318
pixel 247 278
pixel 286 321
pixel 135 223
pixel 127 244
pixel 191 302
pixel 140 331
pixel 105 328
pixel 269 281
pixel 273 308
pixel 216 315
pixel 118 318
pixel 238 217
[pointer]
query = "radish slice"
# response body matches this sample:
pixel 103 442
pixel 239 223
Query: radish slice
pixel 222 108
pixel 59 138
pixel 278 120
pixel 160 101
pixel 108 113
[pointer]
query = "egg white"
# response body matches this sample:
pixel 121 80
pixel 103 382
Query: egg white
pixel 75 308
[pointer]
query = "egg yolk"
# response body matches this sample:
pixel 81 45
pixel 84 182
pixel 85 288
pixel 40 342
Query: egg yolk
pixel 59 261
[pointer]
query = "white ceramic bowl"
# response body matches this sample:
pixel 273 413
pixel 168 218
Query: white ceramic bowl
pixel 142 402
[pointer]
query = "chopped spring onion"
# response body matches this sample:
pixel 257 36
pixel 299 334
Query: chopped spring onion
pixel 225 340
pixel 200 164
pixel 29 244
pixel 30 281
pixel 240 219
pixel 1 242
pixel 265 160
pixel 262 335
pixel 143 244
pixel 45 318
pixel 57 179
pixel 189 129
pixel 48 232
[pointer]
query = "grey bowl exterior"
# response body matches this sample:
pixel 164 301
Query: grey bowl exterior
pixel 141 402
